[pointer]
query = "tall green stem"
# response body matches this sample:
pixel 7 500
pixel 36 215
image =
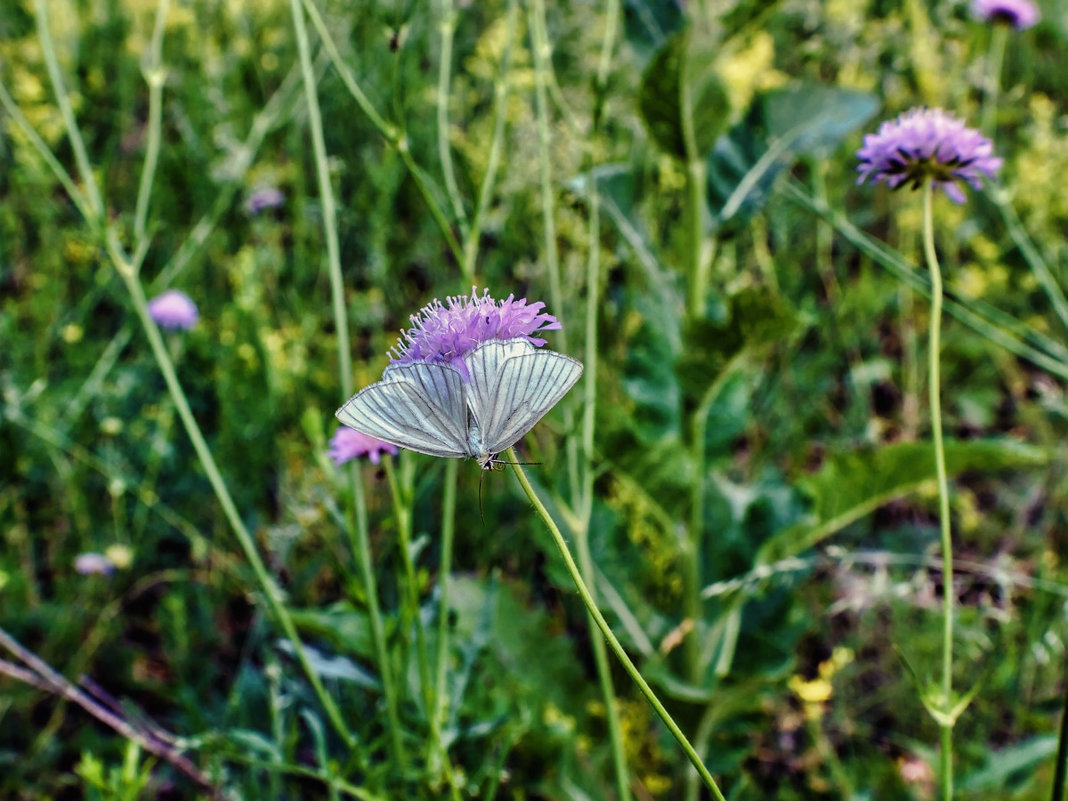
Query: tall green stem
pixel 270 589
pixel 448 528
pixel 542 53
pixel 606 630
pixel 361 542
pixel 448 28
pixel 401 490
pixel 995 58
pixel 948 595
pixel 585 501
pixel 127 270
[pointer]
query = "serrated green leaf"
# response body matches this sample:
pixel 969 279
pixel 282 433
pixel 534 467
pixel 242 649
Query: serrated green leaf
pixel 852 484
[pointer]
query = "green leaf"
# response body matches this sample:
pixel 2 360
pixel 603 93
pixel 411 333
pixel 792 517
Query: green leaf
pixel 681 65
pixel 754 318
pixel 1020 759
pixel 852 484
pixel 802 119
pixel 648 23
pixel 341 624
pixel 816 118
pixel 649 379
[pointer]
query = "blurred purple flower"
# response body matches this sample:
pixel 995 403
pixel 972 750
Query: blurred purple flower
pixel 266 197
pixel 347 445
pixel 93 564
pixel 1020 14
pixel 927 145
pixel 441 333
pixel 173 309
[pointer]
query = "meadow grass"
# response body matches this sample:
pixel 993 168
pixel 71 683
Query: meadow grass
pixel 807 408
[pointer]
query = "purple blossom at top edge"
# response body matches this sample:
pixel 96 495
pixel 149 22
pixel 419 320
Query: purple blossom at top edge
pixel 927 145
pixel 348 444
pixel 173 309
pixel 445 332
pixel 1020 14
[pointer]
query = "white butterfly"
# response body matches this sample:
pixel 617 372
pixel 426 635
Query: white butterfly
pixel 428 406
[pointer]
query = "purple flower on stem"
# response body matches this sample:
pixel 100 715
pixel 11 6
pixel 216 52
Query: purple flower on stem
pixel 173 309
pixel 444 333
pixel 348 444
pixel 266 197
pixel 90 563
pixel 1020 14
pixel 927 145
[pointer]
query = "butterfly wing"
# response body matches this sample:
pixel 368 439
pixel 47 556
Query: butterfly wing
pixel 419 406
pixel 484 365
pixel 523 384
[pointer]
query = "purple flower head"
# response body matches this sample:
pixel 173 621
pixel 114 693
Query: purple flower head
pixel 927 145
pixel 173 309
pixel 348 444
pixel 444 333
pixel 266 197
pixel 1020 14
pixel 93 564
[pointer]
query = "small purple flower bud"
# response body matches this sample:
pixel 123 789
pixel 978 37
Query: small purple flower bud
pixel 93 564
pixel 348 444
pixel 173 309
pixel 266 197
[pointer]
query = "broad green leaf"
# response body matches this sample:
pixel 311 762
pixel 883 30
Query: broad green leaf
pixel 649 379
pixel 816 118
pixel 648 23
pixel 803 119
pixel 1019 759
pixel 337 667
pixel 341 624
pixel 853 484
pixel 681 65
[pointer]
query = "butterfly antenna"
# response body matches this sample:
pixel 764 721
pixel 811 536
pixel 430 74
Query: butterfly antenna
pixel 481 513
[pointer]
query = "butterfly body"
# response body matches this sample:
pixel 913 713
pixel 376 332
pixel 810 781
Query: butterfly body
pixel 476 408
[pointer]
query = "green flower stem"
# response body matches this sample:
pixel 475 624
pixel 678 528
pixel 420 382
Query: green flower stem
pixel 448 29
pixel 541 50
pixel 606 630
pixel 400 488
pixel 270 589
pixel 45 152
pixel 94 201
pixel 440 709
pixel 390 132
pixel 357 532
pixel 934 386
pixel 585 501
pixel 987 321
pixel 1060 774
pixel 700 256
pixel 155 76
pixel 500 118
pixel 127 271
pixel 995 58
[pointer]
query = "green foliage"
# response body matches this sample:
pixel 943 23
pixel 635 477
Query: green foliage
pixel 757 495
pixel 681 89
